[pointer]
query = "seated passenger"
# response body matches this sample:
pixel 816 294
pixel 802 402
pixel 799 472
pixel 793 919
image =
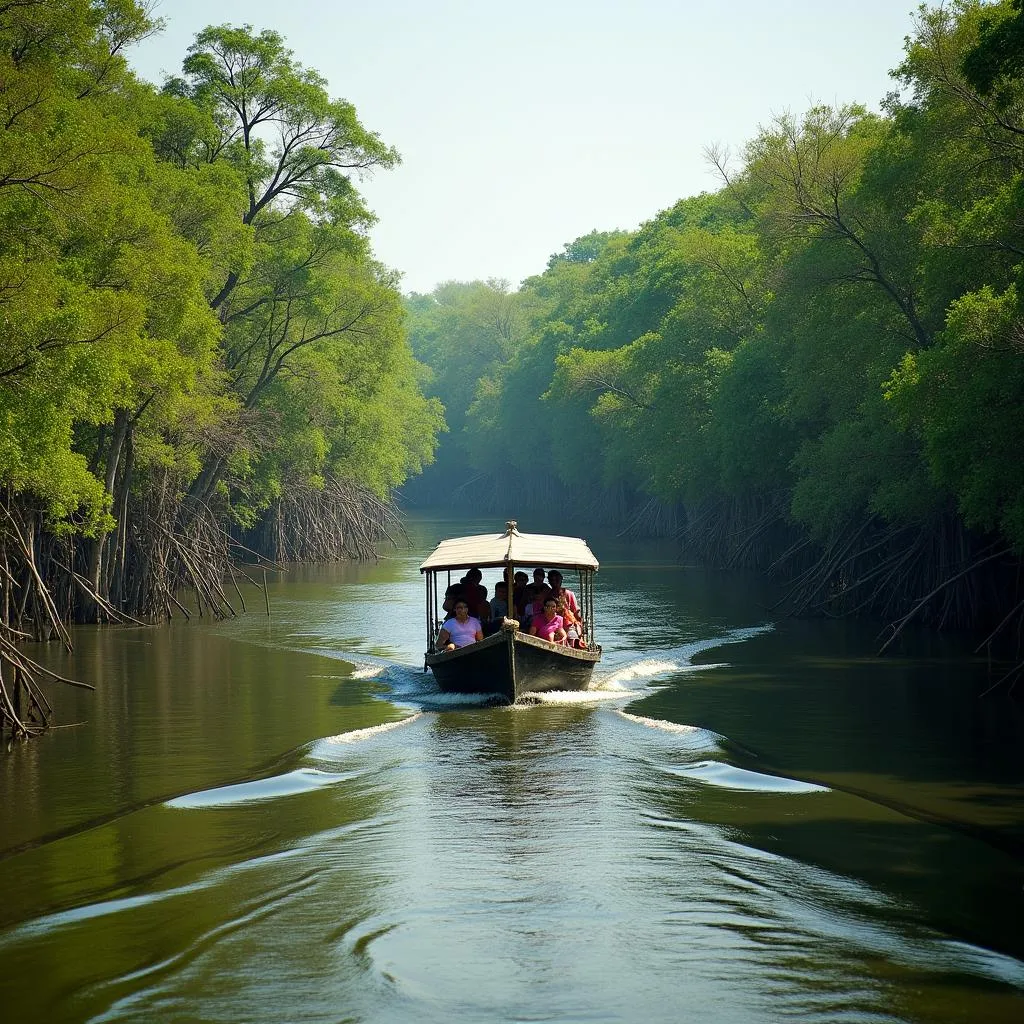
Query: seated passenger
pixel 573 624
pixel 499 603
pixel 536 594
pixel 558 591
pixel 497 609
pixel 548 624
pixel 459 631
pixel 519 598
pixel 476 594
pixel 453 594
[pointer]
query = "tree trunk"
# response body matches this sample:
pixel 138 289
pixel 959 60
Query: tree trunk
pixel 203 485
pixel 116 553
pixel 89 610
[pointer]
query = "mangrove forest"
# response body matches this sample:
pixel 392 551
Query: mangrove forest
pixel 199 355
pixel 816 370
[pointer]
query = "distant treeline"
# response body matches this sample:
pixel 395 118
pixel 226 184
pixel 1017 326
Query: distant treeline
pixel 197 347
pixel 819 369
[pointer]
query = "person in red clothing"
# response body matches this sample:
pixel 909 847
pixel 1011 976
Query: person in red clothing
pixel 535 594
pixel 572 623
pixel 475 594
pixel 558 591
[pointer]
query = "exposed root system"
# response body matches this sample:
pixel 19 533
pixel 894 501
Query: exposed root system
pixel 165 546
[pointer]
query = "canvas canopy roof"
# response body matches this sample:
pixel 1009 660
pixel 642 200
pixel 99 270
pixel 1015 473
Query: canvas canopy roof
pixel 521 549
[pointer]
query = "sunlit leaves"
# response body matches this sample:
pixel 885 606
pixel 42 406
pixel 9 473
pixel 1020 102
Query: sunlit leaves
pixel 276 121
pixel 101 304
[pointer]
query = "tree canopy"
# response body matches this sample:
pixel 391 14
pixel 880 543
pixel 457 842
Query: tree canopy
pixel 192 321
pixel 826 351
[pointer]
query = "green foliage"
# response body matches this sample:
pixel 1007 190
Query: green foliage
pixel 964 398
pixel 184 273
pixel 274 120
pixel 585 249
pixel 751 435
pixel 102 306
pixel 189 303
pixel 838 326
pixel 993 64
pixel 313 349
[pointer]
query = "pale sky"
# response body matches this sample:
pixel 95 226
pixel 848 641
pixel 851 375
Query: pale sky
pixel 525 125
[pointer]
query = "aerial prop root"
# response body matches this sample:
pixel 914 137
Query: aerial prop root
pixel 24 709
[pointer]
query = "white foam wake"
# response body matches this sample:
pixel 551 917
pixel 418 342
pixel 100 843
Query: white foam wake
pixel 592 696
pixel 660 723
pixel 358 735
pixel 647 669
pixel 366 671
pixel 276 786
pixel 729 776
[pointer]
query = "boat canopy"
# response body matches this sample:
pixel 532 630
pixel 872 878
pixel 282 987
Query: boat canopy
pixel 511 548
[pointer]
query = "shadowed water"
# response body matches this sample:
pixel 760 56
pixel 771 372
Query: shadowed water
pixel 745 819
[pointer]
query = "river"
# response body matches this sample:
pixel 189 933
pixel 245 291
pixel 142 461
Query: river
pixel 748 818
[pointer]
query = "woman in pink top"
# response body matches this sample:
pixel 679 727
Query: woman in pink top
pixel 459 631
pixel 548 625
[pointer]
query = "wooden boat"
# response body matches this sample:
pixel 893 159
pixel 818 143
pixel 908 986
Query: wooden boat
pixel 511 662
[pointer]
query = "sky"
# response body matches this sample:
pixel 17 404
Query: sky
pixel 524 125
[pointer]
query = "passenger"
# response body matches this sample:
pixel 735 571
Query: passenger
pixel 452 594
pixel 535 594
pixel 519 597
pixel 497 609
pixel 461 630
pixel 476 594
pixel 557 591
pixel 572 623
pixel 534 605
pixel 499 603
pixel 548 624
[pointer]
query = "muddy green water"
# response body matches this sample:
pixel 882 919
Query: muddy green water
pixel 748 819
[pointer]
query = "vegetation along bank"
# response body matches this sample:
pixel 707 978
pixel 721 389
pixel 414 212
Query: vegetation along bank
pixel 817 370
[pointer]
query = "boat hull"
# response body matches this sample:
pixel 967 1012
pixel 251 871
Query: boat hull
pixel 512 664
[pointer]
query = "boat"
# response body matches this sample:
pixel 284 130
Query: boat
pixel 510 662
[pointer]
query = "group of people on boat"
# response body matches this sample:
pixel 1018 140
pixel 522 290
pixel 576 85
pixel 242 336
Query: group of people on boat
pixel 544 608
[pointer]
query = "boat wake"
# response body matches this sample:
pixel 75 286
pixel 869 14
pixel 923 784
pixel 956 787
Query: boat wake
pixel 663 725
pixel 591 696
pixel 371 732
pixel 323 769
pixel 637 678
pixel 302 780
pixel 730 776
pixel 627 679
pixel 704 759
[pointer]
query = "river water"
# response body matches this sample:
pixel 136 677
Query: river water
pixel 747 819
